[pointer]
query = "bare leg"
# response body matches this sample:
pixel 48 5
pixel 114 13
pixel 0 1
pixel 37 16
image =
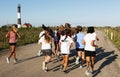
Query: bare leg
pixel 66 62
pixel 92 63
pixel 63 59
pixel 88 62
pixel 82 57
pixel 12 52
pixel 78 57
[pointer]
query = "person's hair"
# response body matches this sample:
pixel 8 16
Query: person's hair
pixel 47 37
pixel 15 25
pixel 50 31
pixel 67 31
pixel 14 28
pixel 90 30
pixel 67 25
pixel 73 31
pixel 44 27
pixel 79 29
pixel 61 27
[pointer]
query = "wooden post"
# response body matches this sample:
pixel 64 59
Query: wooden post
pixel 111 35
pixel 107 31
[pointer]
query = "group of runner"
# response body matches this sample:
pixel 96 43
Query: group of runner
pixel 64 37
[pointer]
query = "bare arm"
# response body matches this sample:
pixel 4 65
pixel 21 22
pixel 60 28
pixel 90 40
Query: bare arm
pixel 92 43
pixel 97 38
pixel 7 35
pixel 19 36
pixel 83 42
pixel 59 43
pixel 71 45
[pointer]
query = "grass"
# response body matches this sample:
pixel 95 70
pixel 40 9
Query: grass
pixel 116 35
pixel 29 35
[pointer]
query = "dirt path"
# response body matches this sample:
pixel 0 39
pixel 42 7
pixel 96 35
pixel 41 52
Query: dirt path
pixel 29 65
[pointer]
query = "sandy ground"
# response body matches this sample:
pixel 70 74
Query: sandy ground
pixel 29 64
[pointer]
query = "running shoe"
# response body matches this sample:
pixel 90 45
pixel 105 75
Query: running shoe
pixel 81 66
pixel 39 53
pixel 46 69
pixel 8 60
pixel 65 71
pixel 43 65
pixel 87 73
pixel 15 61
pixel 77 61
pixel 58 58
pixel 61 67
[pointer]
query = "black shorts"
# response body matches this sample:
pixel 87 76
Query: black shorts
pixel 47 52
pixel 64 54
pixel 90 53
pixel 12 44
pixel 56 42
pixel 80 49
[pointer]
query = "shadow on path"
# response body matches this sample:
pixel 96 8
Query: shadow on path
pixel 108 56
pixel 23 60
pixel 100 55
pixel 108 61
pixel 70 64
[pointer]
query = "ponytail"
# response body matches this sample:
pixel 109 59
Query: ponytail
pixel 47 37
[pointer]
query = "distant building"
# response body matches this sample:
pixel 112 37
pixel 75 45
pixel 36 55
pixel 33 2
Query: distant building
pixel 26 25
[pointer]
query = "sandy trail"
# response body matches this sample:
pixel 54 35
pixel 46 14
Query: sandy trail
pixel 29 64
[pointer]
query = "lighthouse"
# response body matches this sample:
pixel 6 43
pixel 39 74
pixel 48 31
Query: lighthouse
pixel 19 16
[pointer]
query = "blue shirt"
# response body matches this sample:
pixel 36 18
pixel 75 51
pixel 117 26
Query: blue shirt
pixel 55 36
pixel 79 38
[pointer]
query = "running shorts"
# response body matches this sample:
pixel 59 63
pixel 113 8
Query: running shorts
pixel 80 49
pixel 47 52
pixel 90 53
pixel 12 44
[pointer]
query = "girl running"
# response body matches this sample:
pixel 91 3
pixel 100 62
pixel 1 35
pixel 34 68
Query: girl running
pixel 65 44
pixel 46 49
pixel 12 35
pixel 56 41
pixel 90 52
pixel 79 46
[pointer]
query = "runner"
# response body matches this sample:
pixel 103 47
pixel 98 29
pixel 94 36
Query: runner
pixel 56 41
pixel 79 46
pixel 12 35
pixel 59 34
pixel 46 48
pixel 40 35
pixel 90 52
pixel 65 44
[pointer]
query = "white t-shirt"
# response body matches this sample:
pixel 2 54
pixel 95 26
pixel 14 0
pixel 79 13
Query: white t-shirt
pixel 45 45
pixel 65 44
pixel 41 33
pixel 88 39
pixel 94 35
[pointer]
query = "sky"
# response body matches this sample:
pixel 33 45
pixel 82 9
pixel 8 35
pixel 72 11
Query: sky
pixel 57 12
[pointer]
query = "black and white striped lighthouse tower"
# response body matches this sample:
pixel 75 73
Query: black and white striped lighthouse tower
pixel 19 16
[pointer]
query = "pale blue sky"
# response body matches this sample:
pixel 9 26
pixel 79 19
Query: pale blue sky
pixel 56 12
